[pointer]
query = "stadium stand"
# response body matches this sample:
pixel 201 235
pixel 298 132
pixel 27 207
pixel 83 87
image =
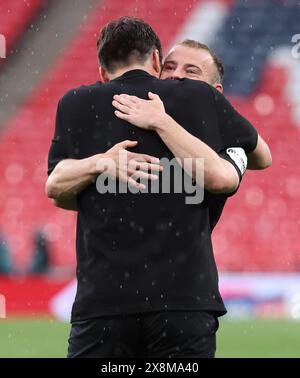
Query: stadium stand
pixel 15 16
pixel 26 137
pixel 267 203
pixel 248 24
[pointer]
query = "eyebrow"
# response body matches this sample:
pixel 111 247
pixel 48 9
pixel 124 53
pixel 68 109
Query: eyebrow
pixel 170 62
pixel 189 65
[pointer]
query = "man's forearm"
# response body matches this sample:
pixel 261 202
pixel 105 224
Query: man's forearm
pixel 219 174
pixel 70 177
pixel 261 157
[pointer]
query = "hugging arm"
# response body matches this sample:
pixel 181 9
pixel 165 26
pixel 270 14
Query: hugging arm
pixel 68 177
pixel 260 157
pixel 237 131
pixel 220 176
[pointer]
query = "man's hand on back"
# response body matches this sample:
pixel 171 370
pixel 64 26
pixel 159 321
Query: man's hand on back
pixel 70 176
pixel 128 166
pixel 146 114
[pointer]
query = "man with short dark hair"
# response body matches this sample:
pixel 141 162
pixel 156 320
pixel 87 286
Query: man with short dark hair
pixel 147 279
pixel 118 47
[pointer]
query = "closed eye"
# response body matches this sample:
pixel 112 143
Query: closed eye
pixel 168 67
pixel 191 71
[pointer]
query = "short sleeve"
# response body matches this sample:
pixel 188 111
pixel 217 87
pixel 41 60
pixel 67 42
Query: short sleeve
pixel 235 130
pixel 57 150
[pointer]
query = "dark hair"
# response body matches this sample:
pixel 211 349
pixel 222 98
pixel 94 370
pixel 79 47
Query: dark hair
pixel 197 45
pixel 125 41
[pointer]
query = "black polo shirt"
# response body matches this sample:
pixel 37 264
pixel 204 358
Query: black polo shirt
pixel 148 251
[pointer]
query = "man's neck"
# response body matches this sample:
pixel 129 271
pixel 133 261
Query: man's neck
pixel 122 71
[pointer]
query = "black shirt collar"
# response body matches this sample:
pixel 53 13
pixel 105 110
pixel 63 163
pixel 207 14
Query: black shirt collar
pixel 133 73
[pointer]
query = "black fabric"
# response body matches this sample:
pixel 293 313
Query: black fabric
pixel 58 148
pixel 216 202
pixel 142 252
pixel 235 130
pixel 175 334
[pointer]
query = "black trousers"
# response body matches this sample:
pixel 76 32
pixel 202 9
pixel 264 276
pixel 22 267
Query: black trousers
pixel 156 335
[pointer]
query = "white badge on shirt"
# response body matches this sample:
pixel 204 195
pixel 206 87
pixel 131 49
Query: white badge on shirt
pixel 238 155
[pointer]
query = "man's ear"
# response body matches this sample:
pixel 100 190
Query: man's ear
pixel 219 87
pixel 103 75
pixel 156 64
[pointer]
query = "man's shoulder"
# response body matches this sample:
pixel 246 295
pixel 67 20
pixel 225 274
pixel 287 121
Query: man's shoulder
pixel 186 88
pixel 81 92
pixel 187 84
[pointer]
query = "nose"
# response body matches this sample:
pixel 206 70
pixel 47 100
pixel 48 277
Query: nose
pixel 176 75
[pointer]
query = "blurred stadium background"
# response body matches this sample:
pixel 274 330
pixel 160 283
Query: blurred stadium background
pixel 50 47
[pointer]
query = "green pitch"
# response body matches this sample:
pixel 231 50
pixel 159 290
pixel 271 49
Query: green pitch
pixel 259 338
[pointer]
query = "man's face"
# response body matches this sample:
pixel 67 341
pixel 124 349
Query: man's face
pixel 191 63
